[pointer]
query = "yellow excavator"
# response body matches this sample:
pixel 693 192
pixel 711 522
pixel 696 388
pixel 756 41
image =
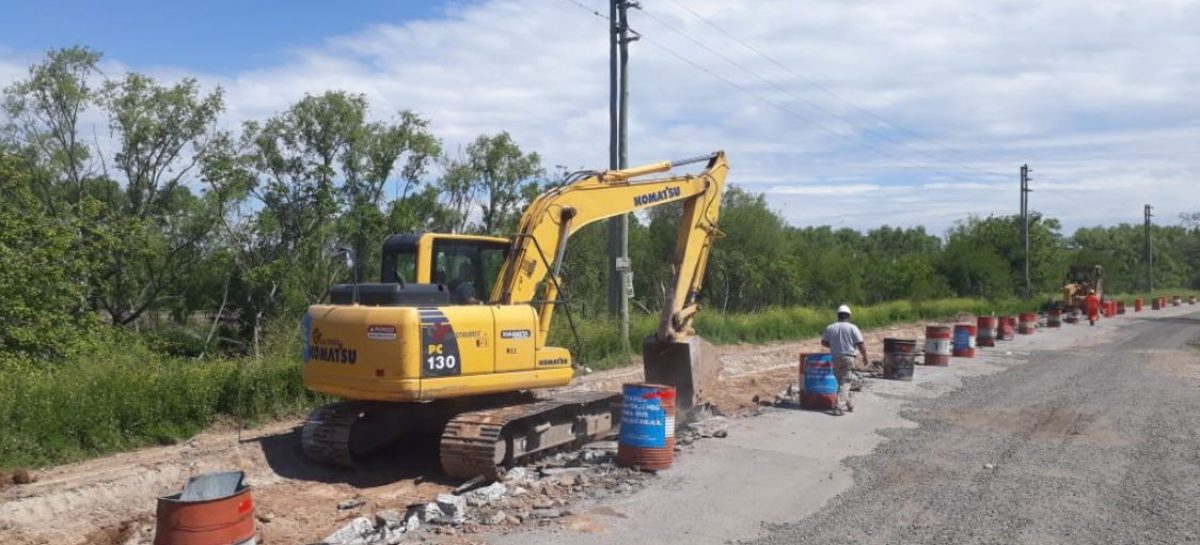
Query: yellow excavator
pixel 1079 281
pixel 452 339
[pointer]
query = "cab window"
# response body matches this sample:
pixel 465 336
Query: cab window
pixel 468 268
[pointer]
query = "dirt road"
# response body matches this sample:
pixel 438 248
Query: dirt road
pixel 1085 428
pixel 1078 435
pixel 1093 446
pixel 111 500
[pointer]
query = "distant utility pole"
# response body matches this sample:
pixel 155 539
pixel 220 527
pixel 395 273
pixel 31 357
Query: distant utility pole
pixel 1025 191
pixel 618 156
pixel 1149 252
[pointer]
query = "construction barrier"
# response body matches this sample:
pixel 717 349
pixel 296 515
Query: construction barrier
pixel 1008 326
pixel 899 355
pixel 1054 317
pixel 1156 303
pixel 1176 301
pixel 1120 307
pixel 820 384
pixel 647 437
pixel 937 345
pixel 1027 323
pixel 1137 304
pixel 987 331
pixel 964 341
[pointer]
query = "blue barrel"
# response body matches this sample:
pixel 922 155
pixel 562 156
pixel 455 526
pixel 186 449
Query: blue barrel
pixel 647 438
pixel 820 384
pixel 818 374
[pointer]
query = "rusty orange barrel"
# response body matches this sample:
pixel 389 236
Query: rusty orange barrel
pixel 212 509
pixel 1054 317
pixel 1112 308
pixel 1027 323
pixel 899 355
pixel 1137 304
pixel 1120 307
pixel 647 438
pixel 986 335
pixel 1008 326
pixel 1156 303
pixel 938 343
pixel 820 386
pixel 964 340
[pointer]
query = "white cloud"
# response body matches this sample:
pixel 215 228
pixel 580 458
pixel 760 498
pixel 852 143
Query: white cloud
pixel 1098 97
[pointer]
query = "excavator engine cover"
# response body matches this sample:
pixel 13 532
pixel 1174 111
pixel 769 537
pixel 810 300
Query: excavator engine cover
pixel 690 365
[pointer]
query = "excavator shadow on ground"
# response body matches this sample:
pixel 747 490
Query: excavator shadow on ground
pixel 413 458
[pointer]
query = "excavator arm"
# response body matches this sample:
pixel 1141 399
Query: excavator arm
pixel 541 240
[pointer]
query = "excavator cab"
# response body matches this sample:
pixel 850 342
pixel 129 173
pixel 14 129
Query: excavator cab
pixel 467 265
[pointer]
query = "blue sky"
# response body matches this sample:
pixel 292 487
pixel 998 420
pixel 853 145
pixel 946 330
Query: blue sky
pixel 1098 97
pixel 221 36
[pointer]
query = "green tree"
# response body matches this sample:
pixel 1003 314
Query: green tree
pixel 43 118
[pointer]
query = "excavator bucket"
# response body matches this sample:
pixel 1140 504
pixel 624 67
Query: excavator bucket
pixel 691 366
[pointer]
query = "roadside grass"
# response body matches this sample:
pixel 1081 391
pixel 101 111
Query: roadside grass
pixel 117 394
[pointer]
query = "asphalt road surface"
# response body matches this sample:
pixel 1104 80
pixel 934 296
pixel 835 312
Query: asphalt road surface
pixel 1097 445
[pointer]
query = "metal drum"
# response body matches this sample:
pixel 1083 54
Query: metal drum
pixel 899 356
pixel 820 384
pixel 1176 301
pixel 964 340
pixel 1156 303
pixel 938 341
pixel 1027 323
pixel 1054 317
pixel 1120 307
pixel 212 509
pixel 1192 300
pixel 1072 317
pixel 1137 304
pixel 1112 308
pixel 647 438
pixel 987 331
pixel 1008 326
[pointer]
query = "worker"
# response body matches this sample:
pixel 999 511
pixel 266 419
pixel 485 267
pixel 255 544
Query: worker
pixel 464 288
pixel 1092 305
pixel 845 342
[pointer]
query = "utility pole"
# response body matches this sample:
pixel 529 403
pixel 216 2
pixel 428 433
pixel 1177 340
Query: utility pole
pixel 1149 252
pixel 618 114
pixel 1025 170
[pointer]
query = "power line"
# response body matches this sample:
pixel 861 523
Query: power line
pixel 845 119
pixel 814 83
pixel 758 96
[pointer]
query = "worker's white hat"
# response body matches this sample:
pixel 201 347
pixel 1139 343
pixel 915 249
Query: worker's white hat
pixel 844 309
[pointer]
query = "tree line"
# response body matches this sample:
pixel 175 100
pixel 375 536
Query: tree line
pixel 201 239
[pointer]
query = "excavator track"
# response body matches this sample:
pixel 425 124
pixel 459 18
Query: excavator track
pixel 483 442
pixel 326 434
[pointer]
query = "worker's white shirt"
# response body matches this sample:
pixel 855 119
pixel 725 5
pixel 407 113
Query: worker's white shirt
pixel 843 339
